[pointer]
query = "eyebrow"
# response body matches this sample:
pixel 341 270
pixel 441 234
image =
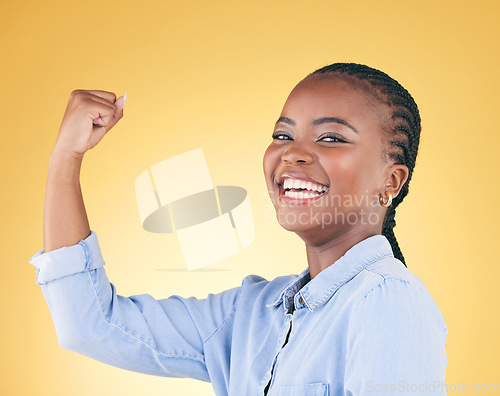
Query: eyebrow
pixel 319 121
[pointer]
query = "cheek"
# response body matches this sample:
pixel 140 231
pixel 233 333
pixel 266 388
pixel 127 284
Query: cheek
pixel 342 167
pixel 352 173
pixel 270 162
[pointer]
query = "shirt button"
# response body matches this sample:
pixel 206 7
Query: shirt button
pixel 301 300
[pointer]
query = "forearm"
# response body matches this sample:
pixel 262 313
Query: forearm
pixel 88 117
pixel 65 219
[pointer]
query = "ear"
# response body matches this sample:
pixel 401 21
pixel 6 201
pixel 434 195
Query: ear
pixel 397 176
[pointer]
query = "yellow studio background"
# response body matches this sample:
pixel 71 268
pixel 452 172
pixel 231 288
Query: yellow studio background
pixel 215 75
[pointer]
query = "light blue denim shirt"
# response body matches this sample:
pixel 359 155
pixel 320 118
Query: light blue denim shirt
pixel 365 325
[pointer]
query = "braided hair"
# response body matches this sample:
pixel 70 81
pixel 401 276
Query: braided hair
pixel 404 131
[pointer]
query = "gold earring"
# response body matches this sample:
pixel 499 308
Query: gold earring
pixel 382 201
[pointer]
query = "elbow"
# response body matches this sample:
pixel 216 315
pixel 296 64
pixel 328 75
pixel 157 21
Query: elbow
pixel 85 336
pixel 71 338
pixel 73 331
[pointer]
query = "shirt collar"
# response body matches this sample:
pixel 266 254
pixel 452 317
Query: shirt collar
pixel 319 290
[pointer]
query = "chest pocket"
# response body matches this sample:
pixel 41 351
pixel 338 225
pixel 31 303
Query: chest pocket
pixel 317 389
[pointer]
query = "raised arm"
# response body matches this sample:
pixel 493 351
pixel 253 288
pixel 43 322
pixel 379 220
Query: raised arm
pixel 161 337
pixel 88 117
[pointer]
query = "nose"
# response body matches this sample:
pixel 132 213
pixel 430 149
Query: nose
pixel 297 155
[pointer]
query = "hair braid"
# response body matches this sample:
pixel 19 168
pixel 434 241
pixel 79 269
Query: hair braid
pixel 404 131
pixel 388 232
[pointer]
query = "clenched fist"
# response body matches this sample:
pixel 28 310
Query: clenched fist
pixel 88 117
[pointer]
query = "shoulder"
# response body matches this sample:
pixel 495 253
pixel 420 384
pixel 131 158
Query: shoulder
pixel 395 329
pixel 389 294
pixel 390 278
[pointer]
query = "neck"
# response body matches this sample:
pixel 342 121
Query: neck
pixel 321 256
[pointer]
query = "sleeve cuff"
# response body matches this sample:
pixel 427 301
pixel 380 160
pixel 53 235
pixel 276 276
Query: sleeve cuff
pixel 84 256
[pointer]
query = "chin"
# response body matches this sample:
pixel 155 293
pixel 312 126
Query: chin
pixel 296 221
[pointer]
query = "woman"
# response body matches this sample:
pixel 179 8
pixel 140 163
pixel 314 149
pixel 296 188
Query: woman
pixel 356 321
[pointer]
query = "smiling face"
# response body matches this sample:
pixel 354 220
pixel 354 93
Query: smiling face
pixel 327 165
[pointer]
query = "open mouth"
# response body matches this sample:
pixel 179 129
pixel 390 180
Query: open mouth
pixel 301 189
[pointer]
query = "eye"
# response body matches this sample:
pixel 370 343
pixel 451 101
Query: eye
pixel 332 138
pixel 281 136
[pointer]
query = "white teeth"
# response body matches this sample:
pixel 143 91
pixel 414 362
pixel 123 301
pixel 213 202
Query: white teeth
pixel 301 184
pixel 301 195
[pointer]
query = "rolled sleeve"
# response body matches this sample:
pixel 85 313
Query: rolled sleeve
pixel 82 257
